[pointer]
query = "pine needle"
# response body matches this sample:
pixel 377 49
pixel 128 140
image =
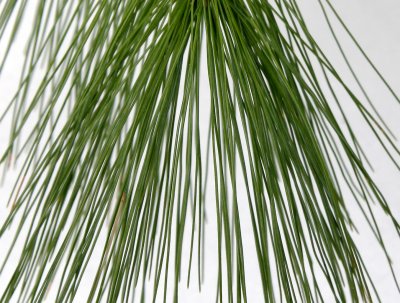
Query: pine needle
pixel 117 145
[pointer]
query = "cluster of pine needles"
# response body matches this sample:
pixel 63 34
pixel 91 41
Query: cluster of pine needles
pixel 114 130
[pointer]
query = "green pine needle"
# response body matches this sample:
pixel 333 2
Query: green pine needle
pixel 117 144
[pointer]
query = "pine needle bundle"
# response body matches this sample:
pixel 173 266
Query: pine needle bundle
pixel 117 145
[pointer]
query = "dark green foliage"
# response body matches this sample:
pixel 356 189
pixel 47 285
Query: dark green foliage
pixel 118 131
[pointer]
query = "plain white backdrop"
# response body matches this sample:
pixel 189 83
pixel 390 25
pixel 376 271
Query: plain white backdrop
pixel 376 25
